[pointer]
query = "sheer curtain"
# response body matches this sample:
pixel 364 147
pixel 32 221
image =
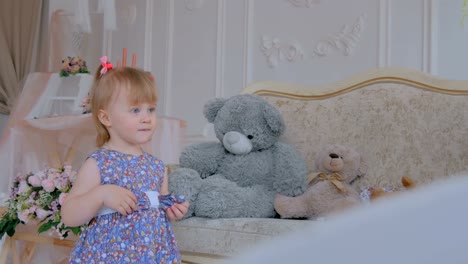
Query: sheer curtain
pixel 19 23
pixel 19 26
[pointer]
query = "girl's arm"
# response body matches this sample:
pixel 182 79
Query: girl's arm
pixel 87 196
pixel 165 184
pixel 84 199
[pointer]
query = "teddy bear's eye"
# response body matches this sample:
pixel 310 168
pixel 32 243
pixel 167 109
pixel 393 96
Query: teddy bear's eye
pixel 249 136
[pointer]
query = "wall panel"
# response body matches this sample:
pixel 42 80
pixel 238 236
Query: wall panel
pixel 201 49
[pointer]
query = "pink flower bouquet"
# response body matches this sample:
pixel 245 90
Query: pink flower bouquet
pixel 39 197
pixel 72 66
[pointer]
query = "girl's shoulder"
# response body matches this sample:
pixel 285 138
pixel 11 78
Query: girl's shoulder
pixel 98 153
pixel 102 155
pixel 154 159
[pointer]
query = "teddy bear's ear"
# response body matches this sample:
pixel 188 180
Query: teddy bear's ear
pixel 212 107
pixel 362 167
pixel 273 119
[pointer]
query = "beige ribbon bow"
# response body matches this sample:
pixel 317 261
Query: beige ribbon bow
pixel 334 178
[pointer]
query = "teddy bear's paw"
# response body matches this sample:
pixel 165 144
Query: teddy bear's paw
pixel 290 207
pixel 221 198
pixel 202 157
pixel 282 203
pixel 214 202
pixel 291 191
pixel 186 182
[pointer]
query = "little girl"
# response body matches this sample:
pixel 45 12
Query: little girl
pixel 121 191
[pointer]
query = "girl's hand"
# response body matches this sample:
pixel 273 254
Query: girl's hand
pixel 119 199
pixel 177 211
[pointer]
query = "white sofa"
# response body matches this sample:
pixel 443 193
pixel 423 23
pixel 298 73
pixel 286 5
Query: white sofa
pixel 403 121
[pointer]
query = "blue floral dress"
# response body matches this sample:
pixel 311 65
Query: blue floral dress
pixel 144 236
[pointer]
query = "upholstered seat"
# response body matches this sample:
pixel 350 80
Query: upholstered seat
pixel 226 237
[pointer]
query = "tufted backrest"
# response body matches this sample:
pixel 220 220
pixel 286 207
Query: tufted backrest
pixel 403 122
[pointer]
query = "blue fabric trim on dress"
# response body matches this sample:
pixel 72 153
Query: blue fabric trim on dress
pixel 156 201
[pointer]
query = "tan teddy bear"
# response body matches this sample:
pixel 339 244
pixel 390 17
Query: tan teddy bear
pixel 329 188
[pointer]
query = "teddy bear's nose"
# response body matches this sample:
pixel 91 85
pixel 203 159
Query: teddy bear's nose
pixel 232 138
pixel 334 156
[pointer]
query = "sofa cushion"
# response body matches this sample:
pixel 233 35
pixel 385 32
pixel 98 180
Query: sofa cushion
pixel 226 237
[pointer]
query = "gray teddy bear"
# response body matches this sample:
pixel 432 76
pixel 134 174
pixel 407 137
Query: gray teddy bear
pixel 240 175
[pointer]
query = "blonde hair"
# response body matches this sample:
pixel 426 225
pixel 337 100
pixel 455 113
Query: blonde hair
pixel 139 84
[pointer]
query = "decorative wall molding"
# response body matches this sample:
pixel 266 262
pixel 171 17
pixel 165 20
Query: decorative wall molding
pixel 304 3
pixel 248 24
pixel 384 33
pixel 430 36
pixel 191 5
pixel 277 51
pixel 434 66
pixel 168 67
pixel 426 36
pixel 345 41
pixel 220 48
pixel 147 65
pixel 77 37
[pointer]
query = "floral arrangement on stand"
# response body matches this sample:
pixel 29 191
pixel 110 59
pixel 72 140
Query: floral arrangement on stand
pixel 72 66
pixel 37 198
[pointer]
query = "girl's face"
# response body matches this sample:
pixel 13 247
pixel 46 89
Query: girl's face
pixel 130 125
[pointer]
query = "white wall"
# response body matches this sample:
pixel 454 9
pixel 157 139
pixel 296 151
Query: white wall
pixel 200 49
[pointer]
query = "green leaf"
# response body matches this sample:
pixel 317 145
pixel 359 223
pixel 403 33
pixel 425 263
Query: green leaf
pixel 76 230
pixel 64 73
pixel 10 227
pixel 45 226
pixel 2 224
pixel 10 232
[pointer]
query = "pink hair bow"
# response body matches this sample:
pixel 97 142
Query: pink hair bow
pixel 105 65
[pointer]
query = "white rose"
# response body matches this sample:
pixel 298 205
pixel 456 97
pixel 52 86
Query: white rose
pixel 53 175
pixel 41 175
pixel 60 183
pixel 42 214
pixel 34 180
pixel 24 216
pixel 72 177
pixel 23 187
pixel 48 185
pixel 67 168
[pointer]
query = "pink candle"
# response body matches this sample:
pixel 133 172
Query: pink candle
pixel 134 60
pixel 124 57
